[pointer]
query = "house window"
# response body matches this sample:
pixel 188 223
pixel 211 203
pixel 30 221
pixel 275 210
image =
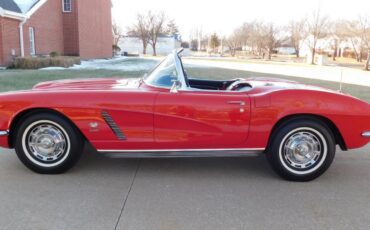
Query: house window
pixel 32 41
pixel 67 5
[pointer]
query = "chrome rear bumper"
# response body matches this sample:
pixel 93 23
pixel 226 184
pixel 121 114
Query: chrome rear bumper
pixel 4 133
pixel 366 134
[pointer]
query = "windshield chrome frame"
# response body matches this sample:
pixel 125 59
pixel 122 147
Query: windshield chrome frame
pixel 178 66
pixel 181 76
pixel 180 70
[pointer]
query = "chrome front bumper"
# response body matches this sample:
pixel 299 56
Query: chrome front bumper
pixel 366 134
pixel 4 133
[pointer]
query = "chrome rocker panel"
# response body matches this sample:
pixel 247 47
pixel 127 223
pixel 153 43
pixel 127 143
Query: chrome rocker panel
pixel 182 153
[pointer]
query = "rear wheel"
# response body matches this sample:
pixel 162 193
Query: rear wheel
pixel 48 144
pixel 301 150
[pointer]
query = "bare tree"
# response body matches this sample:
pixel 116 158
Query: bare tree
pixel 196 37
pixel 296 30
pixel 317 26
pixel 357 33
pixel 340 33
pixel 117 36
pixel 194 44
pixel 156 28
pixel 350 31
pixel 243 35
pixel 235 41
pixel 172 29
pixel 141 30
pixel 270 38
pixel 245 32
pixel 199 37
pixel 204 42
pixel 260 38
pixel 364 23
pixel 117 33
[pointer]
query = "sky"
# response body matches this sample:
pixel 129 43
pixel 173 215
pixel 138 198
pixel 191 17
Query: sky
pixel 222 17
pixel 25 5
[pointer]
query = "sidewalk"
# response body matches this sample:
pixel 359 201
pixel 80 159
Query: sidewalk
pixel 327 73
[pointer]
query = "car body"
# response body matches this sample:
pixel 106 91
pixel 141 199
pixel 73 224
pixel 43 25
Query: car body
pixel 168 114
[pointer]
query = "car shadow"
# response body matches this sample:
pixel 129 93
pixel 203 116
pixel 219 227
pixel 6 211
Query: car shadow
pixel 246 167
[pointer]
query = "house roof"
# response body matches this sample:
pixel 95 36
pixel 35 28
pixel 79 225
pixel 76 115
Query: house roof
pixel 10 5
pixel 20 9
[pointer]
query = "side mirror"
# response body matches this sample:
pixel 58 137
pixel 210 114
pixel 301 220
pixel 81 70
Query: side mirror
pixel 175 86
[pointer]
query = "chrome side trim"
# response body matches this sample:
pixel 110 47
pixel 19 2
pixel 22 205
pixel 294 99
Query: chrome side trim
pixel 4 133
pixel 183 153
pixel 366 134
pixel 181 150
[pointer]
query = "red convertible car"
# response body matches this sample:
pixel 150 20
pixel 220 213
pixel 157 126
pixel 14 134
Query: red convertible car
pixel 169 114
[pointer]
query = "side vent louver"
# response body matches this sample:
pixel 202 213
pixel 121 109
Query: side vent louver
pixel 110 122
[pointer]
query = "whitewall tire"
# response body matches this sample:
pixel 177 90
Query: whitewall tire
pixel 48 143
pixel 301 149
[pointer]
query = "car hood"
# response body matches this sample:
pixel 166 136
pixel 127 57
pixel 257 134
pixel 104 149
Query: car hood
pixel 89 84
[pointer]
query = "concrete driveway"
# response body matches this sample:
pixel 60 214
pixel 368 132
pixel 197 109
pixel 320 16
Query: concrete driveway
pixel 176 194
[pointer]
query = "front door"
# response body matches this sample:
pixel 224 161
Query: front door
pixel 201 119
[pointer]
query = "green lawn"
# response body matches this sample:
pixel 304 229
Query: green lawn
pixel 24 79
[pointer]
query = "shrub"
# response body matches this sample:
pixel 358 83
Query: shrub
pixel 43 62
pixel 116 48
pixel 54 54
pixel 65 62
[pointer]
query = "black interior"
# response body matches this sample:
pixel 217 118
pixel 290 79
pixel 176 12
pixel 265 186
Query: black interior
pixel 231 85
pixel 226 85
pixel 208 84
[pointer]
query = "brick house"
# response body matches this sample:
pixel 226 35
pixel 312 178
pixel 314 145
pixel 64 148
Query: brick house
pixel 70 27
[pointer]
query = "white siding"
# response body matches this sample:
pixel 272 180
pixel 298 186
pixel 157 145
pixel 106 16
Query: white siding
pixel 327 44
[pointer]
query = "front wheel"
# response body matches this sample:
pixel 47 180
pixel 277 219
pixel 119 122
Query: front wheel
pixel 301 150
pixel 48 144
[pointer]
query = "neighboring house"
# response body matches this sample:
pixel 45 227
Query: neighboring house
pixel 165 45
pixel 285 50
pixel 332 44
pixel 70 27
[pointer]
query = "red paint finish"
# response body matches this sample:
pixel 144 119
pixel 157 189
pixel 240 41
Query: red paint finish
pixel 201 117
pixel 154 118
pixel 4 142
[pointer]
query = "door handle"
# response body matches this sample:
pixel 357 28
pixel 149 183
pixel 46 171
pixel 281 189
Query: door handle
pixel 241 103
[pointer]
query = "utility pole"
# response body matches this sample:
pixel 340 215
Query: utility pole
pixel 222 47
pixel 199 34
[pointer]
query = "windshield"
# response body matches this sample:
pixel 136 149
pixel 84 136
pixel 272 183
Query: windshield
pixel 164 74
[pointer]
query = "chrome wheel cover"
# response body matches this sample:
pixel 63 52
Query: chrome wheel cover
pixel 303 150
pixel 46 143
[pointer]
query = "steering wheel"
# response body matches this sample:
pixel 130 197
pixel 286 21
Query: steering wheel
pixel 238 85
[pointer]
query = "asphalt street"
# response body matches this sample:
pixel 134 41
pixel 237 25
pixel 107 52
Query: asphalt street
pixel 179 194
